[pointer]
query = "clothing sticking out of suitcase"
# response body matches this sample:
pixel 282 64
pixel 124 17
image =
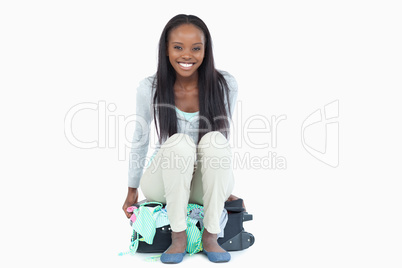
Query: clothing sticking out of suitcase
pixel 235 237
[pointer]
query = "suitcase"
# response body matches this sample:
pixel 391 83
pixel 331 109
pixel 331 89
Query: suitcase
pixel 235 237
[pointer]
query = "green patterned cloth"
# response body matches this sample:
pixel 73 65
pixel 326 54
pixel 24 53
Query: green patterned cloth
pixel 150 218
pixel 194 235
pixel 145 223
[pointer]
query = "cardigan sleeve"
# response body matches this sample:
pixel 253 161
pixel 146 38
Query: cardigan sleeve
pixel 233 92
pixel 140 141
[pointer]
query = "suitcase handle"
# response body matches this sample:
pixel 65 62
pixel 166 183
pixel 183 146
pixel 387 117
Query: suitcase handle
pixel 247 217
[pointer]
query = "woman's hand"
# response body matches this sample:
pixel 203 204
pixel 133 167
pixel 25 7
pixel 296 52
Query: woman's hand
pixel 233 197
pixel 131 199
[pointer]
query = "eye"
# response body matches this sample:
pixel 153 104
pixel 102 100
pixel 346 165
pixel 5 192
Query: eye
pixel 197 48
pixel 177 47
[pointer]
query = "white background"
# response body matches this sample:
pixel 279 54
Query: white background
pixel 61 205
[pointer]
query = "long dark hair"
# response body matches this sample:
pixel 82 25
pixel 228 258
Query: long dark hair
pixel 212 87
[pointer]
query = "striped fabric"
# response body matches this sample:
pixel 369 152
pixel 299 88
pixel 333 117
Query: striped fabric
pixel 194 235
pixel 150 218
pixel 145 223
pixel 161 218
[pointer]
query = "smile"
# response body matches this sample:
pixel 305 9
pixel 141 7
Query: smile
pixel 186 66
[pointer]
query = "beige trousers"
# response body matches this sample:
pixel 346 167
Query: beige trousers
pixel 182 173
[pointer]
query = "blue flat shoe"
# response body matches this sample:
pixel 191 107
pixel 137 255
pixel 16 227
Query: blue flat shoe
pixel 172 258
pixel 217 256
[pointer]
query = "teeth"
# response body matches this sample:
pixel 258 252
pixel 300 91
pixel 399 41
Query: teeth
pixel 186 64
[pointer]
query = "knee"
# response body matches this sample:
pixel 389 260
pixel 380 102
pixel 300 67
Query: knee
pixel 214 142
pixel 180 143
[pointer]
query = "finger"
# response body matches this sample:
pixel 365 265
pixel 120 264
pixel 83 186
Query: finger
pixel 128 214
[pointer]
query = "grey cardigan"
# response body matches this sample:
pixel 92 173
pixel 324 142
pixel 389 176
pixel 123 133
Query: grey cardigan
pixel 144 118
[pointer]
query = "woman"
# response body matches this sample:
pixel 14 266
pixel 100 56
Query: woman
pixel 192 104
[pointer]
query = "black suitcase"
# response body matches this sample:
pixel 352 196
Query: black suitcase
pixel 235 237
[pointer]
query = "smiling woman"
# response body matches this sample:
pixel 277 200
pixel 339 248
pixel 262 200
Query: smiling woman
pixel 186 83
pixel 186 54
pixel 186 50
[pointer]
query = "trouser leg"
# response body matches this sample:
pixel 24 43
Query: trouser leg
pixel 168 178
pixel 213 180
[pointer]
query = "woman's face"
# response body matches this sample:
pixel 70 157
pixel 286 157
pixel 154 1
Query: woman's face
pixel 185 49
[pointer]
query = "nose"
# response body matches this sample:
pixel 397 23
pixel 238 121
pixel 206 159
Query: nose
pixel 186 54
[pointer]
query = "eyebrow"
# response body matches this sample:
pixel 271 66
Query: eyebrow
pixel 199 43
